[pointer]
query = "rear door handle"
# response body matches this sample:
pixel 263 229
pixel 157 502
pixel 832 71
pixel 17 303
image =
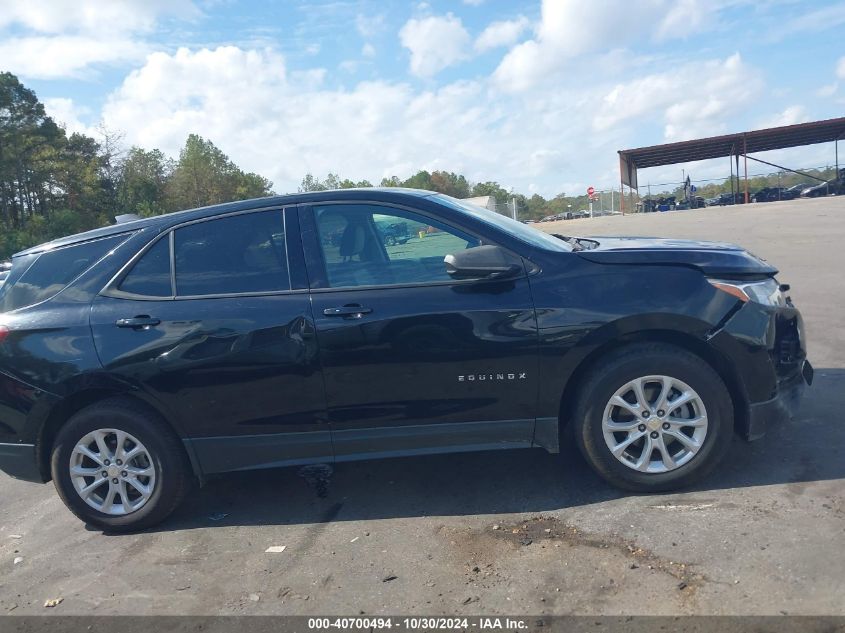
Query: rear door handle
pixel 349 310
pixel 138 322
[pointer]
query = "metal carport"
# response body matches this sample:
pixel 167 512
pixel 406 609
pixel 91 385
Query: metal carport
pixel 732 145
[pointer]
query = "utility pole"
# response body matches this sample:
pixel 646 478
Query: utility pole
pixel 513 209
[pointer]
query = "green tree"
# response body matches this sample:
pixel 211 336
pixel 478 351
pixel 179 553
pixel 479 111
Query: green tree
pixel 29 142
pixel 143 182
pixel 420 180
pixel 204 175
pixel 491 189
pixel 80 179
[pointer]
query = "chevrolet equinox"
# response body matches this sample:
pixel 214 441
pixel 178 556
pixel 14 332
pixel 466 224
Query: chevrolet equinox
pixel 357 324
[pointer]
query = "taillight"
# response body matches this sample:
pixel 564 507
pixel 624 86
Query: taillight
pixel 4 332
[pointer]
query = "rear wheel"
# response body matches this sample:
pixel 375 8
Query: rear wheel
pixel 119 467
pixel 653 417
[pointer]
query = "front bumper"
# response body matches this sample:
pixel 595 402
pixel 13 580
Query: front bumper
pixel 20 461
pixel 782 406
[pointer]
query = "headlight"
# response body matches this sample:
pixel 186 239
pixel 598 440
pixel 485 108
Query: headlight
pixel 766 292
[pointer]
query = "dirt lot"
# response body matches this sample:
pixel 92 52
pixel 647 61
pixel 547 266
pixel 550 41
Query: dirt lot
pixel 510 532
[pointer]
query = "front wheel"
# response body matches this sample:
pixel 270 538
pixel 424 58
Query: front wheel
pixel 119 467
pixel 653 417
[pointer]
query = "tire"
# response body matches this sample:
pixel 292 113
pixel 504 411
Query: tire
pixel 654 361
pixel 162 466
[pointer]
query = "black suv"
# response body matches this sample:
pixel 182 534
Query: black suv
pixel 283 331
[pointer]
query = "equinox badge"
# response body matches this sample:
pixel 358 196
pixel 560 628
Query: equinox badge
pixel 479 377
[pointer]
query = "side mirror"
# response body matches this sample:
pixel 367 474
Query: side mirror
pixel 482 262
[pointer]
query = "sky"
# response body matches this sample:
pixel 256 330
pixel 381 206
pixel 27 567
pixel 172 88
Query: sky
pixel 538 95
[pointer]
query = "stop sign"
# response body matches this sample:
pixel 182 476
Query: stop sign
pixel 590 191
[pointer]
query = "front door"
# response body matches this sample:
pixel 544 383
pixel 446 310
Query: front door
pixel 224 342
pixel 414 361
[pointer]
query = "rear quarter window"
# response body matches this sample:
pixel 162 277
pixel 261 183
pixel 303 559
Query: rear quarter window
pixel 45 275
pixel 150 276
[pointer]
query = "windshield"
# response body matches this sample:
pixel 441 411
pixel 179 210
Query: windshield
pixel 528 234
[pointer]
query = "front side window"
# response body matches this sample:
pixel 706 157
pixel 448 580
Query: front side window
pixel 367 245
pixel 236 254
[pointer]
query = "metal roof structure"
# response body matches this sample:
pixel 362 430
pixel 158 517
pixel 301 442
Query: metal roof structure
pixel 739 144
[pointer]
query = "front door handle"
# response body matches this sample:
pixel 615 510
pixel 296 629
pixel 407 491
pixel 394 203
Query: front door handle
pixel 352 310
pixel 142 321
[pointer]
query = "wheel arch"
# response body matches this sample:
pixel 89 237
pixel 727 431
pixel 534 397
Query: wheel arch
pixel 66 408
pixel 678 338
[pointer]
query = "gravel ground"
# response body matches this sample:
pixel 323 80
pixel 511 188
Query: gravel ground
pixel 496 533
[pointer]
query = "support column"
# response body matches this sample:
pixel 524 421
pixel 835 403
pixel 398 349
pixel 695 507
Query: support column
pixel 745 161
pixel 621 195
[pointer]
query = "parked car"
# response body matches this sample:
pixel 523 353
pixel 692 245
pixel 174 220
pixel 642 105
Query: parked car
pixel 696 202
pixel 795 190
pixel 5 267
pixel 393 233
pixel 734 198
pixel 829 188
pixel 766 194
pixel 773 194
pixel 139 357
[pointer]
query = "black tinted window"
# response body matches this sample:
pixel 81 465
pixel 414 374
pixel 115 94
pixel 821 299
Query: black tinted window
pixel 242 253
pixel 150 276
pixel 52 271
pixel 374 245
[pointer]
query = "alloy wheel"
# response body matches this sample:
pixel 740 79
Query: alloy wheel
pixel 112 471
pixel 655 424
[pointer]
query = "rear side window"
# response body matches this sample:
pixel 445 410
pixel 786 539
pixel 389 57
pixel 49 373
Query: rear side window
pixel 51 272
pixel 150 276
pixel 231 255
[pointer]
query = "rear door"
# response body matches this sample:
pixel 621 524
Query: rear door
pixel 414 361
pixel 213 322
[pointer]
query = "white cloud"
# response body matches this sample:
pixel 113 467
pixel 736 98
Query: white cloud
pixel 91 16
pixel 349 66
pixel 503 33
pixel 283 124
pixel 272 122
pixel 840 68
pixel 65 38
pixel 474 3
pixel 64 55
pixel 369 25
pixel 69 115
pixel 828 90
pixel 569 29
pixel 368 50
pixel 692 100
pixel 435 43
pixel 790 116
pixel 811 21
pixel 682 17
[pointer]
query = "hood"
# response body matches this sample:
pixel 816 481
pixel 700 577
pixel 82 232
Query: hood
pixel 711 258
